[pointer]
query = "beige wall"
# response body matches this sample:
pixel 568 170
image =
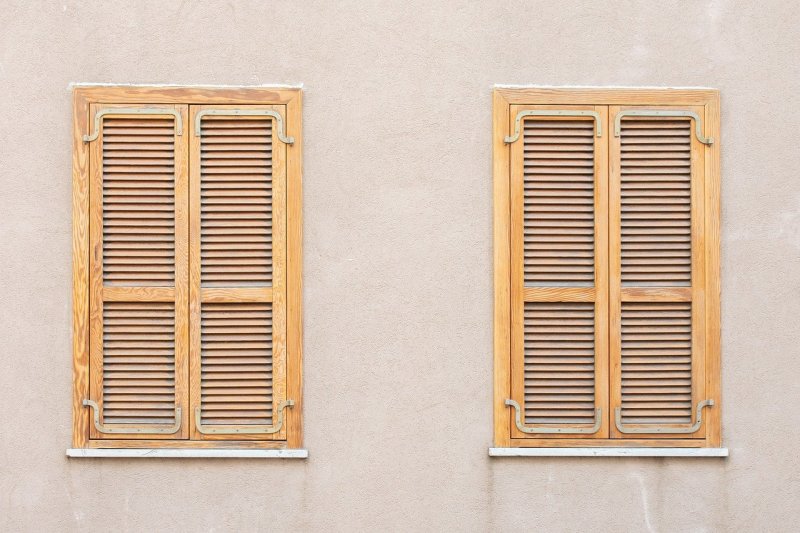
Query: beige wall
pixel 398 294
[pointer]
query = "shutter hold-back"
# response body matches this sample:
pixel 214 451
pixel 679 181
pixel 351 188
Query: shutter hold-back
pixel 103 428
pixel 133 111
pixel 248 430
pixel 661 429
pixel 598 420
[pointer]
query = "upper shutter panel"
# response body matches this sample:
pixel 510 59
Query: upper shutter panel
pixel 236 201
pixel 559 202
pixel 559 287
pixel 239 272
pixel 657 348
pixel 656 201
pixel 138 201
pixel 138 272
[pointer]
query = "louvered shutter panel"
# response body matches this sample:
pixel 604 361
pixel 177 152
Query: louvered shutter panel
pixel 657 272
pixel 138 272
pixel 238 278
pixel 559 272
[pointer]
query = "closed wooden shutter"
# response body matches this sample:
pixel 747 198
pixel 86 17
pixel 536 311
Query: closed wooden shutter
pixel 606 307
pixel 559 271
pixel 657 272
pixel 139 272
pixel 238 278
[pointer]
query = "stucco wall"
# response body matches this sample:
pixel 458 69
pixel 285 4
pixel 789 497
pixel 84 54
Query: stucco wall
pixel 398 293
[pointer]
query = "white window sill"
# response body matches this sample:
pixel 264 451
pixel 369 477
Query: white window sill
pixel 608 452
pixel 175 452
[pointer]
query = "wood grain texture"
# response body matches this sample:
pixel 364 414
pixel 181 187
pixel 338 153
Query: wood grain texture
pixel 294 269
pixel 80 270
pixel 713 222
pixel 502 275
pixel 137 94
pixel 606 96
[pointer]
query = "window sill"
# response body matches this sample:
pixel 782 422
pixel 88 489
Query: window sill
pixel 187 453
pixel 608 452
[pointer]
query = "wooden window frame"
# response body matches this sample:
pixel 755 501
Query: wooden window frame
pixel 83 98
pixel 502 126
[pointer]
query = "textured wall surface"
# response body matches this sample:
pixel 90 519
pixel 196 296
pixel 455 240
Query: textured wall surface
pixel 398 286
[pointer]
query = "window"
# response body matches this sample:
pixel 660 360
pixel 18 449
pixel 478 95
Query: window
pixel 606 268
pixel 187 287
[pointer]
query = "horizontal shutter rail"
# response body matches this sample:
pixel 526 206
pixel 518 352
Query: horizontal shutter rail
pixel 662 113
pixel 558 135
pixel 243 113
pixel 120 111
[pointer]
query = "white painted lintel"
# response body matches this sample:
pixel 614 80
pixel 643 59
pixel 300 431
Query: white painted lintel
pixel 608 452
pixel 187 453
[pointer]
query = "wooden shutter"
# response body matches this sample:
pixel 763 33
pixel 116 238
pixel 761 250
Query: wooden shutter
pixel 138 272
pixel 238 274
pixel 657 251
pixel 559 270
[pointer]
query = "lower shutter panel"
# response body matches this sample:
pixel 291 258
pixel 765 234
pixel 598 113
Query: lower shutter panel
pixel 656 363
pixel 559 363
pixel 139 363
pixel 236 352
